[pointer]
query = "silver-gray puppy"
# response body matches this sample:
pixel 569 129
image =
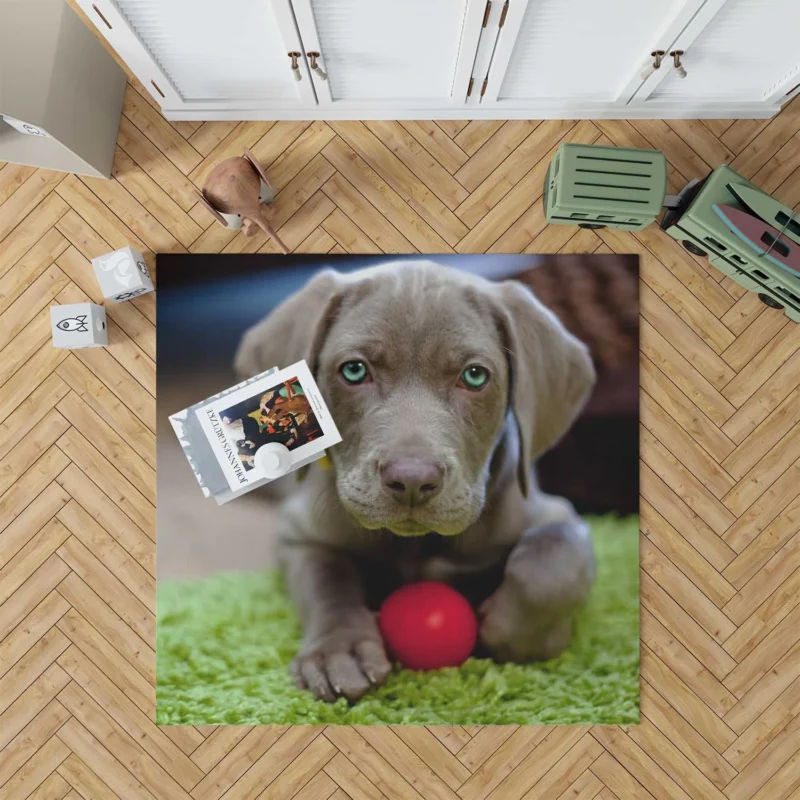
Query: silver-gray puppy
pixel 445 388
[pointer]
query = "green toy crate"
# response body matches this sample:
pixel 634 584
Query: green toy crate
pixel 598 187
pixel 702 232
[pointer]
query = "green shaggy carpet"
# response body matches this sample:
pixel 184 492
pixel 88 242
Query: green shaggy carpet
pixel 224 644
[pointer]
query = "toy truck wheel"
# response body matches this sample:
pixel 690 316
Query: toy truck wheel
pixel 769 301
pixel 693 248
pixel 592 226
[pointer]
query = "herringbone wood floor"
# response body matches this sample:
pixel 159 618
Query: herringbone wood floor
pixel 720 471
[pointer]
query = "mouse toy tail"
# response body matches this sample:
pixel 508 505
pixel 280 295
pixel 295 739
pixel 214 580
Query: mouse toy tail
pixel 265 226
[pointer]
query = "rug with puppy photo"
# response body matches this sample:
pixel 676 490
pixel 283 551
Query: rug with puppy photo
pixel 398 489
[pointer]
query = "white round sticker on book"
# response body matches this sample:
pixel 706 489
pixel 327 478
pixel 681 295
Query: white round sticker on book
pixel 273 459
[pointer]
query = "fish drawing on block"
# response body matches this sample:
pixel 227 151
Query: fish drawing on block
pixel 761 237
pixel 77 324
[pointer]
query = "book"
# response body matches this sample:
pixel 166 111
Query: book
pixel 257 431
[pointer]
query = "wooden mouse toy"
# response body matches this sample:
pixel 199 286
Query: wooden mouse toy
pixel 235 193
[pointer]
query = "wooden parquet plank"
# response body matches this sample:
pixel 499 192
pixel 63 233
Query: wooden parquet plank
pixel 127 749
pixel 54 787
pixel 147 119
pixel 679 408
pixel 110 481
pixel 395 192
pixel 31 738
pixel 30 267
pixel 84 782
pixel 764 693
pixel 12 176
pixel 95 214
pixel 300 771
pixel 720 472
pixel 758 735
pixel 368 761
pixel 27 234
pixel 32 592
pixel 538 145
pixel 676 584
pixel 680 515
pixel 488 158
pixel 502 762
pixel 348 778
pixel 683 447
pixel 107 622
pixel 154 199
pixel 36 699
pixel 26 198
pixel 437 143
pixel 101 762
pixel 683 555
pixel 298 154
pixel 144 153
pixel 621 782
pixel 563 743
pixel 31 629
pixel 426 168
pixel 692 690
pixel 236 762
pixel 761 588
pixel 699 752
pixel 669 757
pixel 37 769
pixel 209 135
pixel 476 133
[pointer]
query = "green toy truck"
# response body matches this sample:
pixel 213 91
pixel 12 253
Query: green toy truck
pixel 598 187
pixel 702 232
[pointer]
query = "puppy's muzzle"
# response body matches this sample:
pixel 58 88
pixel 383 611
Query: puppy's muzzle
pixel 412 481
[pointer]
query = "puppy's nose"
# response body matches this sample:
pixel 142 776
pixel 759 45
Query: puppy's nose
pixel 412 481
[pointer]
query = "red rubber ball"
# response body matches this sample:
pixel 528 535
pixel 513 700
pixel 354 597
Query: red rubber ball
pixel 428 625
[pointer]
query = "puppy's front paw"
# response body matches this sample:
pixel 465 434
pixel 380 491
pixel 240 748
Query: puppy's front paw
pixel 513 630
pixel 548 576
pixel 341 663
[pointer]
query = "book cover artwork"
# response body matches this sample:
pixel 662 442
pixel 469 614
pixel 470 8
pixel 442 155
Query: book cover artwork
pixel 256 431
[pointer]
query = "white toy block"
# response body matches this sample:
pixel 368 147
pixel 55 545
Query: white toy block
pixel 122 275
pixel 78 325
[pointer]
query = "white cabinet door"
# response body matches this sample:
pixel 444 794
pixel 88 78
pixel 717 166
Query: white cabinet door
pixel 207 54
pixel 388 54
pixel 735 51
pixel 578 54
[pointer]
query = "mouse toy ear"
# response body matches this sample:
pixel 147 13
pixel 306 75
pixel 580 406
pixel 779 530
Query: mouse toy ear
pixel 293 331
pixel 551 373
pixel 213 211
pixel 257 167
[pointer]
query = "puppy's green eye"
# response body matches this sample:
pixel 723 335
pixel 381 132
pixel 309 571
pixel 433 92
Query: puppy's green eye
pixel 354 371
pixel 475 377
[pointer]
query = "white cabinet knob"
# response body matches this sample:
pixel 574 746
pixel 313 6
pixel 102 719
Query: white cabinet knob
pixel 315 68
pixel 651 68
pixel 296 74
pixel 676 59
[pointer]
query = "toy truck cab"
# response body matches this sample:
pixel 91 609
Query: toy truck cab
pixel 702 232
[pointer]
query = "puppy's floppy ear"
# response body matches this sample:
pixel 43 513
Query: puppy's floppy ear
pixel 551 373
pixel 293 331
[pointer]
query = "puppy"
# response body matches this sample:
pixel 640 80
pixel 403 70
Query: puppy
pixel 445 388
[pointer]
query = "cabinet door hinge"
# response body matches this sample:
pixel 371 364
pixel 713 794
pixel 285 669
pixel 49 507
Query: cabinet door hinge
pixel 503 15
pixel 469 88
pixel 487 12
pixel 483 88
